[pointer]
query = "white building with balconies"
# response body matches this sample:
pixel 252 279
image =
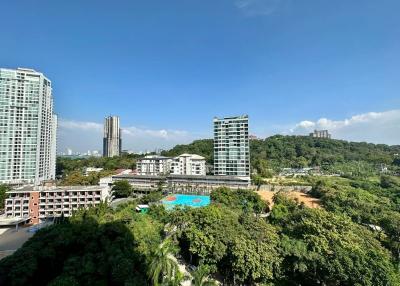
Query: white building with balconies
pixel 188 164
pixel 153 165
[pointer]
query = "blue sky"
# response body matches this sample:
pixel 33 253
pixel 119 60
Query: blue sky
pixel 168 67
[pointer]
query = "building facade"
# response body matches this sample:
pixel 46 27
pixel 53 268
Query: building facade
pixel 112 142
pixel 182 183
pixel 153 165
pixel 41 203
pixel 188 164
pixel 231 146
pixel 28 127
pixel 321 134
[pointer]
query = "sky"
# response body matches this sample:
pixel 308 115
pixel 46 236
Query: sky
pixel 168 67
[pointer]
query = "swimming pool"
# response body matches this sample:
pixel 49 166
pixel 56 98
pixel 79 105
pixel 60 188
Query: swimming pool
pixel 185 200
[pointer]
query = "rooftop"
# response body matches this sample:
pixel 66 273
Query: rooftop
pixel 31 188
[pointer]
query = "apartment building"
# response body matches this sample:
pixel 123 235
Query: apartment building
pixel 28 127
pixel 41 203
pixel 188 164
pixel 320 134
pixel 112 142
pixel 153 165
pixel 231 146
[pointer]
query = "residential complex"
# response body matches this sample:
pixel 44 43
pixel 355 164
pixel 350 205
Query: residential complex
pixel 28 127
pixel 185 164
pixel 41 203
pixel 153 165
pixel 231 146
pixel 188 164
pixel 112 143
pixel 321 134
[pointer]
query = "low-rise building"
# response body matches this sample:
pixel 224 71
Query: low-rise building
pixel 41 203
pixel 183 182
pixel 153 165
pixel 188 164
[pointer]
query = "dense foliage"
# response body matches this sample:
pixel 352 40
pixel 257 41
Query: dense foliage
pixel 321 247
pixel 294 245
pixel 71 171
pixel 98 246
pixel 202 147
pixel 121 189
pixel 239 200
pixel 367 202
pixel 301 151
pixel 125 161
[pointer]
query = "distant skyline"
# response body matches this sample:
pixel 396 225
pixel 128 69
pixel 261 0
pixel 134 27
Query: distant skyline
pixel 168 67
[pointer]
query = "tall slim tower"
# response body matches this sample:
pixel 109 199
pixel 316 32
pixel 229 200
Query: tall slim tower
pixel 112 137
pixel 231 146
pixel 28 127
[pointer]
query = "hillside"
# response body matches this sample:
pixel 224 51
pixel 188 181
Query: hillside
pixel 301 151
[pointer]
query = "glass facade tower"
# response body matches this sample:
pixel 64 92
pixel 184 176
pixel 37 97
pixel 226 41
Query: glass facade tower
pixel 231 146
pixel 28 127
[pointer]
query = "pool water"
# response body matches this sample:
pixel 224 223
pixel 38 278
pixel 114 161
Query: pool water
pixel 185 200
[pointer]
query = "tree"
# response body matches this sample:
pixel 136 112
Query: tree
pixel 163 266
pixel 122 189
pixel 3 189
pixel 391 224
pixel 81 252
pixel 245 200
pixel 153 196
pixel 323 248
pixel 254 256
pixel 257 180
pixel 201 276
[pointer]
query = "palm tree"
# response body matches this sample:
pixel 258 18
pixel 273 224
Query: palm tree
pixel 201 276
pixel 164 266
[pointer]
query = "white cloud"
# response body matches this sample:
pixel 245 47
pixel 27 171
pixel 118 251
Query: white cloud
pixel 81 125
pixel 375 127
pixel 82 136
pixel 258 7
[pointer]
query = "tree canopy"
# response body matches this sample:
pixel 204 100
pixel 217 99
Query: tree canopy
pixel 303 151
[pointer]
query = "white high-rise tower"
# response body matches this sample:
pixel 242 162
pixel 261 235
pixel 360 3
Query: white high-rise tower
pixel 112 137
pixel 28 127
pixel 231 146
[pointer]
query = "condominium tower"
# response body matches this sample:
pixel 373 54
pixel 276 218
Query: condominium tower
pixel 28 127
pixel 231 146
pixel 112 137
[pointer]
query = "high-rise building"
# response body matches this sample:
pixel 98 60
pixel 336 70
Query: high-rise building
pixel 112 137
pixel 231 146
pixel 28 127
pixel 321 134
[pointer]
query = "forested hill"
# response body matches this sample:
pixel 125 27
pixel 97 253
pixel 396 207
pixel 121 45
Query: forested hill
pixel 302 151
